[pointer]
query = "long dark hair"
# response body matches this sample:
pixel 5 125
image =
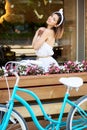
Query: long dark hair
pixel 60 28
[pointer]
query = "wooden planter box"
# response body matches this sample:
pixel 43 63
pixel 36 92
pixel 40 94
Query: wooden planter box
pixel 47 87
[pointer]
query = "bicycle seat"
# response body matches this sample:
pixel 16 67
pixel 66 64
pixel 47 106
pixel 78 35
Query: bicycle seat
pixel 73 82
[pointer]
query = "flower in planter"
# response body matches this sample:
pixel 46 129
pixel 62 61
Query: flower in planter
pixel 53 69
pixel 71 66
pixel 30 70
pixel 84 65
pixel 67 67
pixel 22 70
pixel 34 70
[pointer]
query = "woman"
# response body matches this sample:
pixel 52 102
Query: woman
pixel 44 39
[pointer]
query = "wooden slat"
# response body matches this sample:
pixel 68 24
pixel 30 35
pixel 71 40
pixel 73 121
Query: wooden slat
pixel 40 80
pixel 46 93
pixel 54 108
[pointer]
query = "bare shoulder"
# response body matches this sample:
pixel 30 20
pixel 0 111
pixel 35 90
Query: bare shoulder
pixel 49 31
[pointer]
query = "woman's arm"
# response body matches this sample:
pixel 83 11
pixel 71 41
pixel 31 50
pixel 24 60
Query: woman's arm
pixel 40 37
pixel 38 34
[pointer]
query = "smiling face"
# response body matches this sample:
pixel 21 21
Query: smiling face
pixel 52 20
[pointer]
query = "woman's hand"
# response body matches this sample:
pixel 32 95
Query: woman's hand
pixel 40 31
pixel 40 37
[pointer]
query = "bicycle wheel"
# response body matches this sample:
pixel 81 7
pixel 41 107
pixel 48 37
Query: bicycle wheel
pixel 16 121
pixel 77 120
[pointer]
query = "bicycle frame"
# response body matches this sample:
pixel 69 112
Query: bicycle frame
pixel 56 123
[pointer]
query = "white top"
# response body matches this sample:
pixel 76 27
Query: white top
pixel 45 50
pixel 45 56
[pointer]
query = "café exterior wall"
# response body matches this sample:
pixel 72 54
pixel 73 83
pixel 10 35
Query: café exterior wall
pixel 86 29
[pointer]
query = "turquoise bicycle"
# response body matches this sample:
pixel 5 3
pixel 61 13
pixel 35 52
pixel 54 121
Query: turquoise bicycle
pixel 76 120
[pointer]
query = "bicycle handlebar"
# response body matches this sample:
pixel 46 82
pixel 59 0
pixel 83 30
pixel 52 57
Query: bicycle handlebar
pixel 12 70
pixel 16 75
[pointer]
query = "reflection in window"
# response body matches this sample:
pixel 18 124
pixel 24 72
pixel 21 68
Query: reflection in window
pixel 19 19
pixel 22 20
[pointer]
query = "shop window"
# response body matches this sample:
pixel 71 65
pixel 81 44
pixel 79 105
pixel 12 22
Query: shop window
pixel 21 18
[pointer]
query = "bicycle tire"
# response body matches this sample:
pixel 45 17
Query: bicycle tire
pixel 76 121
pixel 16 120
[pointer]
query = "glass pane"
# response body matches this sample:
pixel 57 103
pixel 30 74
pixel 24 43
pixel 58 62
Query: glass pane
pixel 69 39
pixel 19 19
